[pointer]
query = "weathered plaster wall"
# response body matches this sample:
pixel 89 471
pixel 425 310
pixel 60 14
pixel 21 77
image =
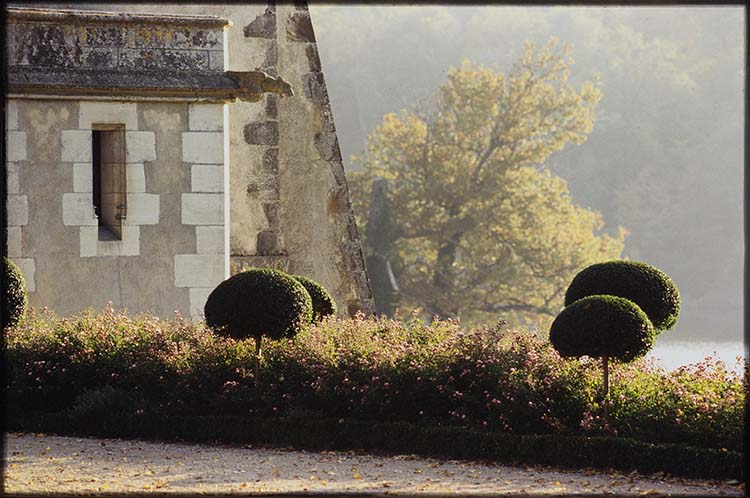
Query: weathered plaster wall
pixel 166 259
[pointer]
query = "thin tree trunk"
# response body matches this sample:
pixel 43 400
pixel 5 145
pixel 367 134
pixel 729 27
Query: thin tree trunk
pixel 258 339
pixel 605 401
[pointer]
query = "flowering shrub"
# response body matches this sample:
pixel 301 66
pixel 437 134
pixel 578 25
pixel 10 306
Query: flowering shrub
pixel 701 403
pixel 369 369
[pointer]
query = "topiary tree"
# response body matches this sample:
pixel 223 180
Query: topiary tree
pixel 648 287
pixel 256 303
pixel 15 299
pixel 606 327
pixel 322 302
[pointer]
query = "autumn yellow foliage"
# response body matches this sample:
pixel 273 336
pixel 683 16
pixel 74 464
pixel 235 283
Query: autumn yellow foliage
pixel 483 229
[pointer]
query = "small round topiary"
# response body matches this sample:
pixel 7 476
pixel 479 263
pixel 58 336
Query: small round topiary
pixel 15 298
pixel 258 302
pixel 602 327
pixel 648 287
pixel 322 302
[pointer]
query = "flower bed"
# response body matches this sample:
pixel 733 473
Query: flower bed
pixel 95 365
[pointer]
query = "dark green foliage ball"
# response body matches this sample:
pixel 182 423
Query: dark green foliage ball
pixel 259 302
pixel 15 299
pixel 599 326
pixel 648 287
pixel 322 301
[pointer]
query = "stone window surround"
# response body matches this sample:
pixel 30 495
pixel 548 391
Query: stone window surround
pixel 203 148
pixel 78 205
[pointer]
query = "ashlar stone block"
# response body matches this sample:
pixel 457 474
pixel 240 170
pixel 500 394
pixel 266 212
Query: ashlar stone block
pixel 199 270
pixel 135 178
pixel 128 246
pixel 198 298
pixel 15 242
pixel 18 210
pixel 91 246
pixel 83 177
pixel 78 209
pixel 28 268
pixel 11 114
pixel 143 209
pixel 203 209
pixel 210 239
pixel 140 146
pixel 205 147
pixel 16 141
pixel 262 133
pixel 13 180
pixel 207 178
pixel 87 240
pixel 107 112
pixel 206 117
pixel 76 146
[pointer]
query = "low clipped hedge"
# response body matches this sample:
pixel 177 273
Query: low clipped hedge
pixel 108 366
pixel 648 287
pixel 447 442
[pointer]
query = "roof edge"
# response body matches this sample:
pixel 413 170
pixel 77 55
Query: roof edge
pixel 227 86
pixel 91 16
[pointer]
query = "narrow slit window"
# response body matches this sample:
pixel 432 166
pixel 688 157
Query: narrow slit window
pixel 109 189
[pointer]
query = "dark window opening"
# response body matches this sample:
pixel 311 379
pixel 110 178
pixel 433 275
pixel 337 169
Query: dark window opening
pixel 109 192
pixel 97 164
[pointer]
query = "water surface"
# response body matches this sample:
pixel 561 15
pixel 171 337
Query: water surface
pixel 674 354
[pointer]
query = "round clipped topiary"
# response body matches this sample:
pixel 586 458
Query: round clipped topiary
pixel 606 327
pixel 322 301
pixel 602 327
pixel 648 287
pixel 256 303
pixel 15 299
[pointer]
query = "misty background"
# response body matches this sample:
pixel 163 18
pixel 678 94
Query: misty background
pixel 665 159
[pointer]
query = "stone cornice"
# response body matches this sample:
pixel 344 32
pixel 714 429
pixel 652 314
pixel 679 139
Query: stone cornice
pixel 248 86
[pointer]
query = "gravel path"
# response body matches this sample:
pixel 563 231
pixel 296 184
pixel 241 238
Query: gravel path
pixel 37 463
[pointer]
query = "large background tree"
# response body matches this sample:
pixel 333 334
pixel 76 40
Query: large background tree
pixel 666 156
pixel 481 228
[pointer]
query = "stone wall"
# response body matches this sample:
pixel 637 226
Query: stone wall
pixel 173 248
pixel 288 198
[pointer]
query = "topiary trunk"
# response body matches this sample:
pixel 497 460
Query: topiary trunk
pixel 605 400
pixel 258 340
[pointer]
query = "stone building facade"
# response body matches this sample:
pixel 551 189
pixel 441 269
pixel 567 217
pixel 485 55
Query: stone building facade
pixel 228 155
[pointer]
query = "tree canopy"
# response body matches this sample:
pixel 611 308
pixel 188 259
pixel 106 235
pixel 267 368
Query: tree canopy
pixel 480 227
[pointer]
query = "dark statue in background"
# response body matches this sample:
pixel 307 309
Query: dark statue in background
pixel 380 235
